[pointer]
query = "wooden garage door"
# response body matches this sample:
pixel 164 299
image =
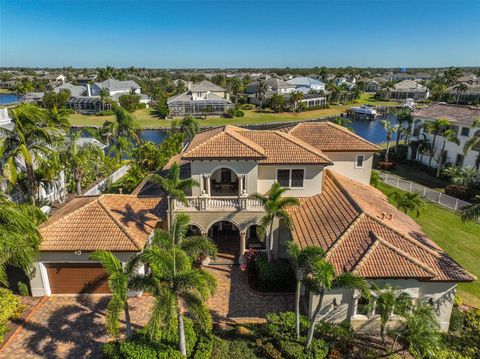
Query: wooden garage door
pixel 77 278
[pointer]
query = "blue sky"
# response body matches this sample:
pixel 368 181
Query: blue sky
pixel 179 34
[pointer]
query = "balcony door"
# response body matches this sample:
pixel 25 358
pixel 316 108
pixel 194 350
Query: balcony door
pixel 224 182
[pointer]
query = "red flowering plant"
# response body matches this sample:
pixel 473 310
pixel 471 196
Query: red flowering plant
pixel 250 255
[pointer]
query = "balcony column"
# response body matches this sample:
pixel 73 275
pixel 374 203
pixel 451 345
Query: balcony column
pixel 243 236
pixel 207 178
pixel 240 184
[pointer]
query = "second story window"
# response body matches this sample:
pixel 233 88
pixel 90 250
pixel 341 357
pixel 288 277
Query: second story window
pixel 291 178
pixel 297 178
pixel 283 177
pixel 465 131
pixel 359 161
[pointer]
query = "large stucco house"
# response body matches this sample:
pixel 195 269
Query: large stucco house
pixel 326 166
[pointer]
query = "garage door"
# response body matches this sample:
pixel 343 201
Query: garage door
pixel 76 278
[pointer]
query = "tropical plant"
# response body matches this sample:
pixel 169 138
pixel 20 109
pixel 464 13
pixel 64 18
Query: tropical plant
pixel 189 126
pixel 19 235
pixel 277 103
pixel 451 75
pixel 472 211
pixel 173 186
pixel 302 261
pixel 275 208
pixel 407 201
pixel 176 286
pixel 448 136
pixel 104 95
pixel 390 130
pixel 236 86
pixel 375 179
pixel 403 116
pixel 473 143
pixel 295 98
pixel 59 118
pixel 129 102
pixel 261 92
pixel 436 127
pixel 119 277
pixel 344 122
pixel 323 278
pixel 423 146
pixel 465 176
pixel 148 156
pixel 460 89
pixel 387 87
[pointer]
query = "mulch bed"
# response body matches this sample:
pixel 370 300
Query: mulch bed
pixel 13 325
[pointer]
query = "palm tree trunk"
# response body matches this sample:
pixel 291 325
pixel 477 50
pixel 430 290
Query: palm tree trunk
pixel 270 242
pixel 432 151
pixel 297 308
pixel 440 160
pixel 398 141
pixel 31 183
pixel 313 322
pixel 181 333
pixel 388 150
pixel 78 185
pixel 170 211
pixel 127 319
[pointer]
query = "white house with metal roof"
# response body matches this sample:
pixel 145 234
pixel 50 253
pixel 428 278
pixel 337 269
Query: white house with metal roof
pixel 307 83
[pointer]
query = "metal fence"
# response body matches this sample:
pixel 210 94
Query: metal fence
pixel 427 193
pixel 115 176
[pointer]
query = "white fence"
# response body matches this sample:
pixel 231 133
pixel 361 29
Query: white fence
pixel 115 176
pixel 427 193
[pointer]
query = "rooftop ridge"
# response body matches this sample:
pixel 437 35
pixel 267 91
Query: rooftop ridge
pixel 303 144
pixel 346 130
pixel 249 143
pixel 344 235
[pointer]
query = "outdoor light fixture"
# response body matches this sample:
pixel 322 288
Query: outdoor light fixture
pixel 78 253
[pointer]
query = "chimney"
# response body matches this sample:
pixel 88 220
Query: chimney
pixel 89 91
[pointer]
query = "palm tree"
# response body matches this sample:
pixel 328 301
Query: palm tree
pixel 19 235
pixel 465 176
pixel 323 278
pixel 26 145
pixel 59 118
pixel 388 301
pixel 448 136
pixel 104 95
pixel 423 146
pixel 236 86
pixel 407 201
pixel 390 130
pixel 261 92
pixel 436 127
pixel 473 143
pixel 404 115
pixel 190 127
pixel 126 125
pixel 275 208
pixel 452 75
pixel 119 277
pixel 175 286
pixel 302 261
pixel 295 98
pixel 387 87
pixel 472 211
pixel 460 89
pixel 343 121
pixel 173 186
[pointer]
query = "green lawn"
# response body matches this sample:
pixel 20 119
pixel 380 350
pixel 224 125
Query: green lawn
pixel 460 240
pixel 148 119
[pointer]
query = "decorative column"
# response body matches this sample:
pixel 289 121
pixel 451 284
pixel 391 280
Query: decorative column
pixel 207 178
pixel 243 245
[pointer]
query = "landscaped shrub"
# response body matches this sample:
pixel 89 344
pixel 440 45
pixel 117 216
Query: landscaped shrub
pixel 141 106
pixel 338 336
pixel 247 106
pixel 274 276
pixel 232 348
pixel 203 349
pixel 138 348
pixel 105 113
pixel 170 337
pixel 166 352
pixel 234 112
pixel 269 351
pixel 282 325
pixel 23 289
pixel 10 308
pixel 129 102
pixel 459 191
pixel 384 165
pixel 111 350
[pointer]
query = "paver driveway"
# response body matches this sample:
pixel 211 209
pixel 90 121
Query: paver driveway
pixel 72 327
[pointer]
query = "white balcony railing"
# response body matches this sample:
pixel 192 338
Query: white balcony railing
pixel 203 203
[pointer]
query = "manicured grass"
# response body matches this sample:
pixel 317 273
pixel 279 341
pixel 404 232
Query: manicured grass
pixel 460 240
pixel 5 91
pixel 148 119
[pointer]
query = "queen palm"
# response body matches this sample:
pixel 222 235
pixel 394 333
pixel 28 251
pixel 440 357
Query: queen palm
pixel 59 118
pixel 461 88
pixel 472 211
pixel 176 286
pixel 26 145
pixel 302 261
pixel 19 235
pixel 275 208
pixel 236 86
pixel 390 130
pixel 190 127
pixel 173 186
pixel 448 136
pixel 119 277
pixel 387 87
pixel 404 115
pixel 322 279
pixel 407 201
pixel 436 127
pixel 104 95
pixel 261 92
pixel 423 146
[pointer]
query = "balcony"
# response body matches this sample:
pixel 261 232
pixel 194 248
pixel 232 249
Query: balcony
pixel 205 203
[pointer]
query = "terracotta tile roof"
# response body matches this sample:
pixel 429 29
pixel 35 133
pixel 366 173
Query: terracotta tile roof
pixel 268 147
pixel 454 113
pixel 106 222
pixel 357 239
pixel 329 137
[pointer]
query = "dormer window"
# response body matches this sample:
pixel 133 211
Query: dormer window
pixel 293 178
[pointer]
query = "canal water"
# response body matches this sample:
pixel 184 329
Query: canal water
pixel 8 98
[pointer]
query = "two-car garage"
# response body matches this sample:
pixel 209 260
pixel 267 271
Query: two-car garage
pixel 76 278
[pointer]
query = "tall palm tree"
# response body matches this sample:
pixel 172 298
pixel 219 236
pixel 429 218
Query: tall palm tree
pixel 275 208
pixel 236 86
pixel 176 286
pixel 295 98
pixel 460 89
pixel 403 116
pixel 261 92
pixel 323 278
pixel 423 146
pixel 173 186
pixel 473 143
pixel 407 201
pixel 19 235
pixel 190 127
pixel 302 261
pixel 119 277
pixel 387 87
pixel 472 212
pixel 59 118
pixel 448 136
pixel 390 130
pixel 436 127
pixel 104 95
pixel 26 145
pixel 451 75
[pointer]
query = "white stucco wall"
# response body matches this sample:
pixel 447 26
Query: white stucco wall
pixel 312 183
pixel 39 281
pixel 344 163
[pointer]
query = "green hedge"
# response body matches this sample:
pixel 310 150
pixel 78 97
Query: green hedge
pixel 10 308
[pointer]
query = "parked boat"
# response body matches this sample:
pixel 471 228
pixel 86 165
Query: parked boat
pixel 364 111
pixel 408 103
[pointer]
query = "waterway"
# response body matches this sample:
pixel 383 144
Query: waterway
pixel 8 98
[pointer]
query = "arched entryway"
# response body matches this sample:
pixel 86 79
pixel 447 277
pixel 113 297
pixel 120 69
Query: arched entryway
pixel 226 236
pixel 194 230
pixel 252 240
pixel 224 182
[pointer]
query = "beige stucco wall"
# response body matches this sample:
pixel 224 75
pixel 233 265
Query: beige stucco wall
pixel 247 167
pixel 312 184
pixel 37 282
pixel 344 164
pixel 442 293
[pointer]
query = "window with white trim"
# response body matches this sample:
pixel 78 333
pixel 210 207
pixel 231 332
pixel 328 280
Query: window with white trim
pixel 293 178
pixel 363 306
pixel 359 160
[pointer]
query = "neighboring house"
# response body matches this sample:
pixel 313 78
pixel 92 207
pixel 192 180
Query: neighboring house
pixel 115 87
pixel 470 96
pixel 462 118
pixel 5 120
pixel 274 85
pixel 326 166
pixel 55 79
pixel 306 84
pixel 204 98
pixel 371 85
pixel 407 89
pixel 469 79
pixel 75 90
pixel 422 76
pixel 88 105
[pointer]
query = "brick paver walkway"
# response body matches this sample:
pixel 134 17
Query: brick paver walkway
pixel 72 327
